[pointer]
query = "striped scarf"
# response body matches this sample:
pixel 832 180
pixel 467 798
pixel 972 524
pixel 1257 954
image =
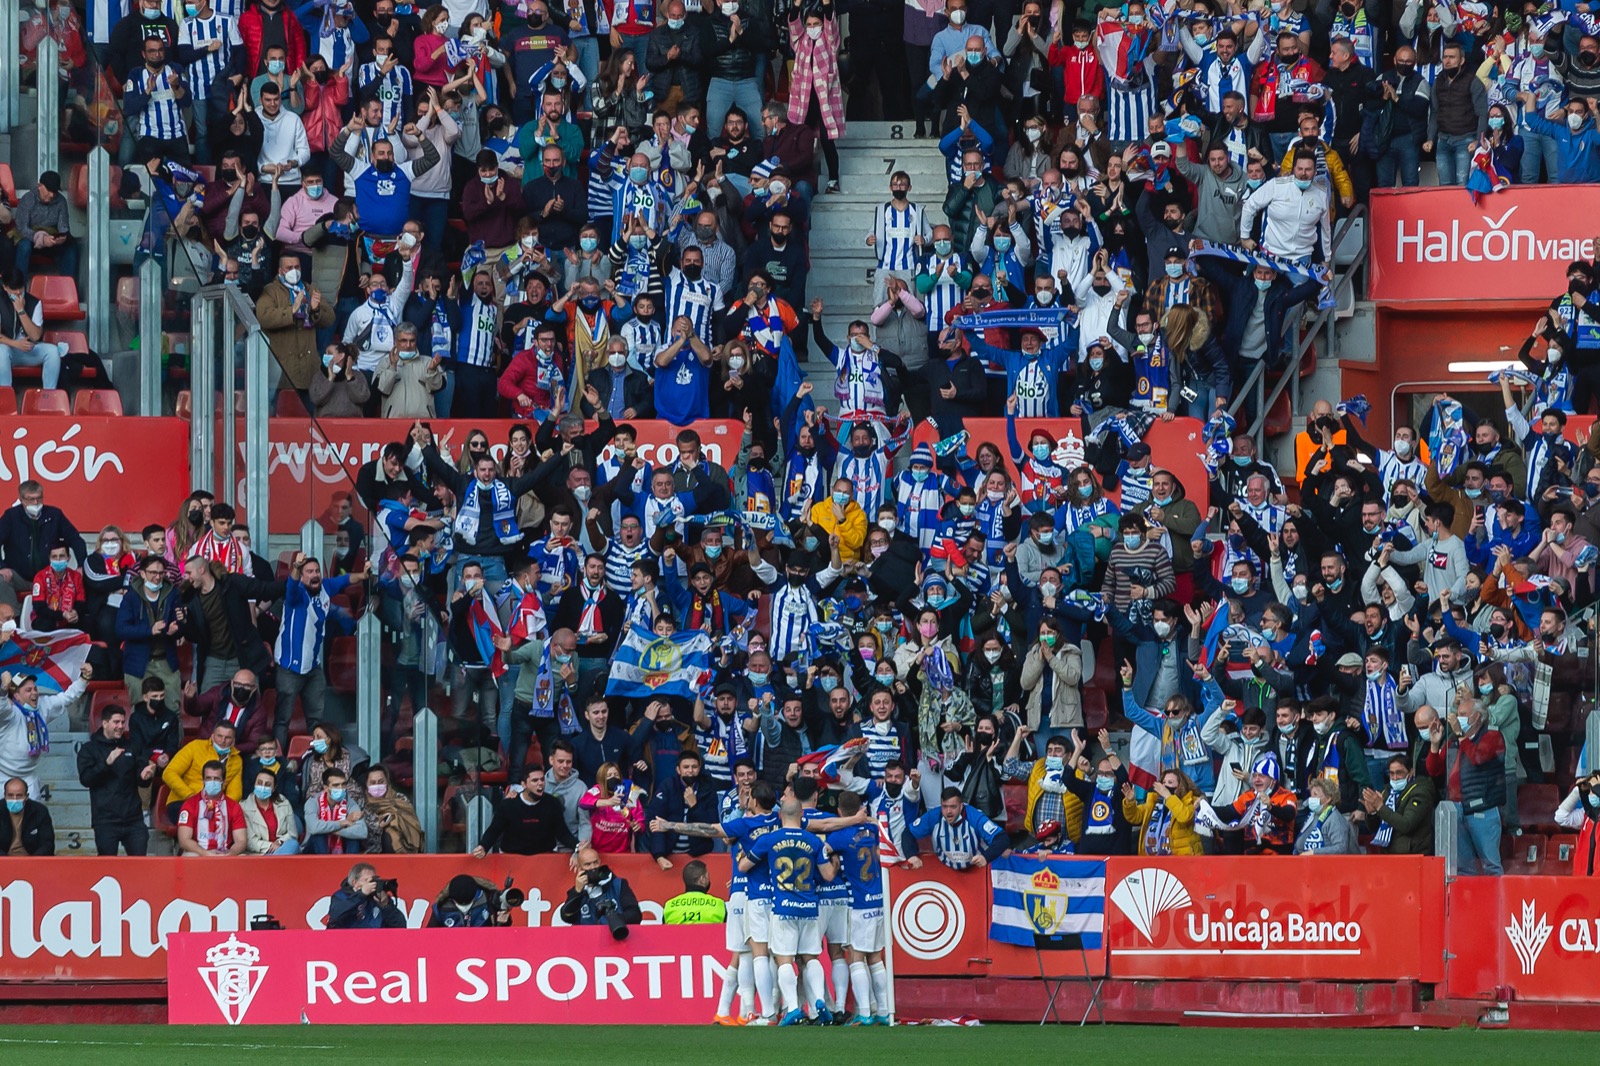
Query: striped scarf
pixel 1384 721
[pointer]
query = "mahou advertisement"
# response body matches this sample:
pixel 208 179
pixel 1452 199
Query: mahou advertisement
pixel 1289 918
pixel 1436 244
pixel 88 919
pixel 658 975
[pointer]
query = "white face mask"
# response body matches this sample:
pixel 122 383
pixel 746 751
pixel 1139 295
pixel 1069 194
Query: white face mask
pixel 958 16
pixel 617 359
pixel 1034 135
pixel 291 276
pixel 33 510
pixel 1574 122
pixel 735 363
pixel 730 9
pixel 992 654
pixel 814 32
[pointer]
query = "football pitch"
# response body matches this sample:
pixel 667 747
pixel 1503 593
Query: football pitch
pixel 704 1046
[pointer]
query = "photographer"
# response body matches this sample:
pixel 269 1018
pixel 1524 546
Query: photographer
pixel 600 897
pixel 469 902
pixel 365 902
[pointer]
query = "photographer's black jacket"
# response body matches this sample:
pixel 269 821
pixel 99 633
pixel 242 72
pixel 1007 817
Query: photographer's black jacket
pixel 583 908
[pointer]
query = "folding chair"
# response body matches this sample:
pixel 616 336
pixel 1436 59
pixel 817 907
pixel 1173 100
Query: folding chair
pixel 1063 945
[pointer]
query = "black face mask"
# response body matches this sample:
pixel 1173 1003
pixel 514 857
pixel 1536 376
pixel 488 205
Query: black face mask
pixel 196 517
pixel 227 175
pixel 323 76
pixel 241 695
pixel 384 166
pixel 900 194
pixel 893 789
pixel 249 233
pixel 758 462
pixel 692 271
pixel 985 739
pixel 796 580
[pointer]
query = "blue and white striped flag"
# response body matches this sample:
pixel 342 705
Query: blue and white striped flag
pixel 647 665
pixel 1047 897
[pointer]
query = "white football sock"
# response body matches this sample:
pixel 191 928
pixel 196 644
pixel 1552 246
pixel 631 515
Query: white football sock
pixel 816 983
pixel 788 984
pixel 730 982
pixel 763 968
pixel 880 988
pixel 841 983
pixel 747 982
pixel 861 988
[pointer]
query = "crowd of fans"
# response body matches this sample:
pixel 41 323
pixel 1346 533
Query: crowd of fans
pixel 585 217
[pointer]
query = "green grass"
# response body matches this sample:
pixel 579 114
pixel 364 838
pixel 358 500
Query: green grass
pixel 704 1046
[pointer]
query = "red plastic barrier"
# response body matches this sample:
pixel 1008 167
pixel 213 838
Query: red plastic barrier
pixel 309 464
pixel 99 470
pixel 1290 918
pixel 1435 244
pixel 1537 935
pixel 659 975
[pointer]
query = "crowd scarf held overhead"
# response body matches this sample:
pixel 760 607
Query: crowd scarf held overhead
pixel 1298 272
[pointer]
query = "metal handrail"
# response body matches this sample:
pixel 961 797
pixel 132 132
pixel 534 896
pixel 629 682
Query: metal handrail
pixel 1291 370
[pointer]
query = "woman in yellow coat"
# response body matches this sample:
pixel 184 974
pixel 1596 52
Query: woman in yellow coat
pixel 841 516
pixel 1165 817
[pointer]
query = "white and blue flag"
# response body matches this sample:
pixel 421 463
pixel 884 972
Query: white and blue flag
pixel 1051 897
pixel 647 665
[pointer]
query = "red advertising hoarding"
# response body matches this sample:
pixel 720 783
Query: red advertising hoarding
pixel 659 975
pixel 1538 935
pixel 309 463
pixel 1436 244
pixel 100 471
pixel 91 919
pixel 1289 918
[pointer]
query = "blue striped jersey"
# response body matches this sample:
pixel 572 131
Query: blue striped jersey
pixel 162 118
pixel 198 33
pixel 896 229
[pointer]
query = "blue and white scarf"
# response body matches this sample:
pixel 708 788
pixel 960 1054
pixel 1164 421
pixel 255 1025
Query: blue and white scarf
pixel 469 520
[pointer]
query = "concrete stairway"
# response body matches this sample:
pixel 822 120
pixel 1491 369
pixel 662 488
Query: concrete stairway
pixel 67 799
pixel 842 266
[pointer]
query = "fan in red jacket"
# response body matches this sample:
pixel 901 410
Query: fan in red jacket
pixel 1077 65
pixel 252 25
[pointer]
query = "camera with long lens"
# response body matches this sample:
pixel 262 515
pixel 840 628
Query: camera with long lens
pixel 616 921
pixel 390 885
pixel 507 899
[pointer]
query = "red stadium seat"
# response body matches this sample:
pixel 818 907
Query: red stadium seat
pixel 1015 794
pixel 59 295
pixel 158 813
pixel 289 405
pixel 1536 807
pixel 1095 714
pixel 116 696
pixel 46 402
pixel 8 184
pixel 97 402
pixel 8 401
pixel 342 664
pixel 298 746
pixel 1562 853
pixel 76 340
pixel 1528 854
